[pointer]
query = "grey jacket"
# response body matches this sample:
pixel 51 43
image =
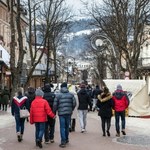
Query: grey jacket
pixel 64 102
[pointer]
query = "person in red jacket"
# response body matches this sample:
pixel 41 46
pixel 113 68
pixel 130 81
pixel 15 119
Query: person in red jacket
pixel 120 102
pixel 38 115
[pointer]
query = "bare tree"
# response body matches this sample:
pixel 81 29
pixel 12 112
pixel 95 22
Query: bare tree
pixel 123 21
pixel 14 9
pixel 55 15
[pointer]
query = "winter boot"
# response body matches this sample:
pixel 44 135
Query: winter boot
pixel 19 136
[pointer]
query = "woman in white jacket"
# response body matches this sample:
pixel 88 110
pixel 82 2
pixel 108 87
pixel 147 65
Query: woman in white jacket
pixel 72 89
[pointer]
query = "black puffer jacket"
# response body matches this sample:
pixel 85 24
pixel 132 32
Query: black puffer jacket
pixel 49 96
pixel 84 99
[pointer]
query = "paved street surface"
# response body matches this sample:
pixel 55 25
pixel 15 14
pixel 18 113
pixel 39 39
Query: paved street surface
pixel 137 138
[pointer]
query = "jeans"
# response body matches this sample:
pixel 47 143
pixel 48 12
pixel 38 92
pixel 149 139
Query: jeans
pixel 94 104
pixel 19 123
pixel 117 120
pixel 49 129
pixel 64 121
pixel 82 118
pixel 39 130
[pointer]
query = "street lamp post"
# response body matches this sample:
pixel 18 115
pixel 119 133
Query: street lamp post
pixel 100 40
pixel 68 64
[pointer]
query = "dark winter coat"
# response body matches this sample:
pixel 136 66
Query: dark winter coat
pixel 105 105
pixel 49 96
pixel 5 96
pixel 64 102
pixel 30 95
pixel 84 99
pixel 96 92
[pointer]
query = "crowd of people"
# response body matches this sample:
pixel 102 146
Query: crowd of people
pixel 4 98
pixel 45 105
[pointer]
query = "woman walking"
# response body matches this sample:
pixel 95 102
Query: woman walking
pixel 19 102
pixel 105 104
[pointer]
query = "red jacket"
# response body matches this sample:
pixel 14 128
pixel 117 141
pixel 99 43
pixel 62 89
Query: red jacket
pixel 120 100
pixel 39 110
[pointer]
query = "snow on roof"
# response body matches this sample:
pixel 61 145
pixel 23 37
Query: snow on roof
pixel 5 57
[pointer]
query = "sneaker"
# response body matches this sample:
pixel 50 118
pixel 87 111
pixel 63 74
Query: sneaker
pixel 62 145
pixel 123 132
pixel 118 134
pixel 19 137
pixel 47 142
pixel 52 141
pixel 82 130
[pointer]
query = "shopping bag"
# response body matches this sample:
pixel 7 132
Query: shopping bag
pixel 24 113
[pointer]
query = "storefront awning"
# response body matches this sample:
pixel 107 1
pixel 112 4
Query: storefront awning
pixel 4 56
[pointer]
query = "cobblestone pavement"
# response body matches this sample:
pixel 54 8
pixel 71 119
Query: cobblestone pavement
pixel 137 138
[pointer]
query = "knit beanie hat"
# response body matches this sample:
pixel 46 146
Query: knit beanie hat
pixel 47 87
pixel 119 87
pixel 39 92
pixel 64 84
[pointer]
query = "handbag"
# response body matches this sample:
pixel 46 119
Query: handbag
pixel 24 113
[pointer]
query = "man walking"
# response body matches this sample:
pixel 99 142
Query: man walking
pixel 64 103
pixel 50 124
pixel 121 102
pixel 97 91
pixel 84 102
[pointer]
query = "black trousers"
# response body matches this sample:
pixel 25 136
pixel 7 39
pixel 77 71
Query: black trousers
pixel 106 123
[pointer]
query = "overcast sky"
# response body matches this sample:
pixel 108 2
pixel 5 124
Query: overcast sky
pixel 76 5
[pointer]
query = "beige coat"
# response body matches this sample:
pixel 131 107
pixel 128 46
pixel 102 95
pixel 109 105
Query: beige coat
pixel 72 90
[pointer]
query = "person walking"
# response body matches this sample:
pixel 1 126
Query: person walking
pixel 105 105
pixel 19 102
pixel 50 124
pixel 5 97
pixel 30 93
pixel 64 103
pixel 38 115
pixel 72 127
pixel 121 102
pixel 89 91
pixel 84 102
pixel 95 93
